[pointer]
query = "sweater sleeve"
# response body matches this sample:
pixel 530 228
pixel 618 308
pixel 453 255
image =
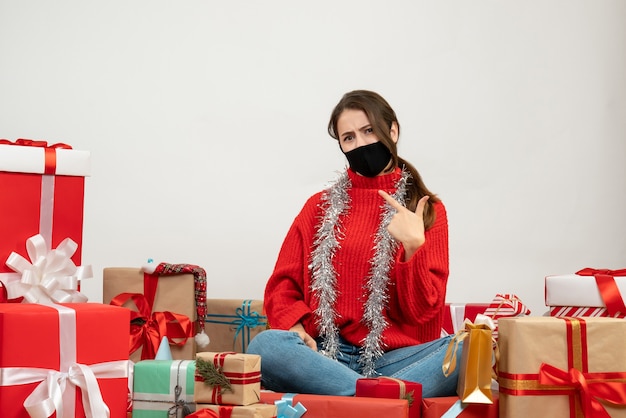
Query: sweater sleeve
pixel 420 282
pixel 285 297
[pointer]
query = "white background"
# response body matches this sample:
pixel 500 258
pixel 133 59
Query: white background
pixel 206 122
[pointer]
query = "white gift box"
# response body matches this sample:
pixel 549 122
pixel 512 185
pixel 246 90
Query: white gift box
pixel 576 290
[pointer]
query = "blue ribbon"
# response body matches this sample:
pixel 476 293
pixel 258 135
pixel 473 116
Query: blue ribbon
pixel 454 410
pixel 285 408
pixel 244 320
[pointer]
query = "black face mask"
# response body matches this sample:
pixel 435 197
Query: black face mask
pixel 369 160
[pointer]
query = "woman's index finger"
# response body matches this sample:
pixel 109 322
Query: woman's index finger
pixel 393 202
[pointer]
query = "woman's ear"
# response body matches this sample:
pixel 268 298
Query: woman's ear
pixel 393 132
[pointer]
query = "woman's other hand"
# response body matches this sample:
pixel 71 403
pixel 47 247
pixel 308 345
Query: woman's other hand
pixel 308 340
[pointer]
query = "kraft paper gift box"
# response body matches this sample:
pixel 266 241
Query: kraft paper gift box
pixel 325 406
pixel 257 410
pixel 42 187
pixel 451 406
pixel 563 367
pixel 387 387
pixel 588 292
pixel 44 344
pixel 232 323
pixel 227 378
pixel 163 388
pixel 174 294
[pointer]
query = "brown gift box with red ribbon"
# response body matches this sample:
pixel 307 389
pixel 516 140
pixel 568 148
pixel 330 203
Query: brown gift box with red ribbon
pixel 241 374
pixel 388 387
pixel 42 187
pixel 162 306
pixel 563 367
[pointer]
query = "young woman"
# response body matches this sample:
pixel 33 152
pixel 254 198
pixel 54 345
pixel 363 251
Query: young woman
pixel 360 282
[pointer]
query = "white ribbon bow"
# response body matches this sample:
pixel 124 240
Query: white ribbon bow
pixel 50 276
pixel 47 397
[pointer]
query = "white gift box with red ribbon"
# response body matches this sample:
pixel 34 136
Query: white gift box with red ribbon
pixel 588 292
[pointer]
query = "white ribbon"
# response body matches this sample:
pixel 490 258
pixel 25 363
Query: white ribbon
pixel 57 388
pixel 483 320
pixel 49 276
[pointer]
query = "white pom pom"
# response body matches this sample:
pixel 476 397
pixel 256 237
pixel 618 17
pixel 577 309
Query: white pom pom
pixel 202 340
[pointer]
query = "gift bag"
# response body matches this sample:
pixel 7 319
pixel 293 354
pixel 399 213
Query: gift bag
pixel 476 364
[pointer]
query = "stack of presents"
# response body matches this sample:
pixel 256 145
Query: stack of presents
pixel 157 347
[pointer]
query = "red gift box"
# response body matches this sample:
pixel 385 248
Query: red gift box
pixel 456 313
pixel 42 189
pixel 59 350
pixel 437 407
pixel 387 387
pixel 325 406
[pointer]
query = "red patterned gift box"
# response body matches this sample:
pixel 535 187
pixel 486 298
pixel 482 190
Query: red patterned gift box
pixel 42 189
pixel 387 387
pixel 452 406
pixel 503 305
pixel 69 356
pixel 324 406
pixel 563 367
pixel 588 292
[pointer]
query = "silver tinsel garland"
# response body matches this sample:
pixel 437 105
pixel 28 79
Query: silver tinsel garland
pixel 336 203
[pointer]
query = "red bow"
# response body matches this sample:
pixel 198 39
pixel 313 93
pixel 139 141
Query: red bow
pixel 204 413
pixel 608 288
pixel 153 326
pixel 589 387
pixel 34 143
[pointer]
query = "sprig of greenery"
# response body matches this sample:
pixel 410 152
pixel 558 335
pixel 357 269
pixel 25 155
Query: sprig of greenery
pixel 212 375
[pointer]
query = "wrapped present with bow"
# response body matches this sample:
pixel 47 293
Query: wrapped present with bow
pixel 257 410
pixel 82 370
pixel 163 388
pixel 563 367
pixel 588 292
pixel 232 323
pixel 389 387
pixel 227 378
pixel 502 305
pixel 168 300
pixel 476 369
pixel 42 186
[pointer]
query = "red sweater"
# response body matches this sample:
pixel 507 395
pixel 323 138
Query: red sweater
pixel 417 287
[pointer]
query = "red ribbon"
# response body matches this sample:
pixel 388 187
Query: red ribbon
pixel 155 325
pixel 608 288
pixel 589 390
pixel 50 151
pixel 204 413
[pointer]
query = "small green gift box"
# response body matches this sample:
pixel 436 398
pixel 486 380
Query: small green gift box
pixel 163 388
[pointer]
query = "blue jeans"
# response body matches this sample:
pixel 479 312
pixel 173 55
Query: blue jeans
pixel 288 365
